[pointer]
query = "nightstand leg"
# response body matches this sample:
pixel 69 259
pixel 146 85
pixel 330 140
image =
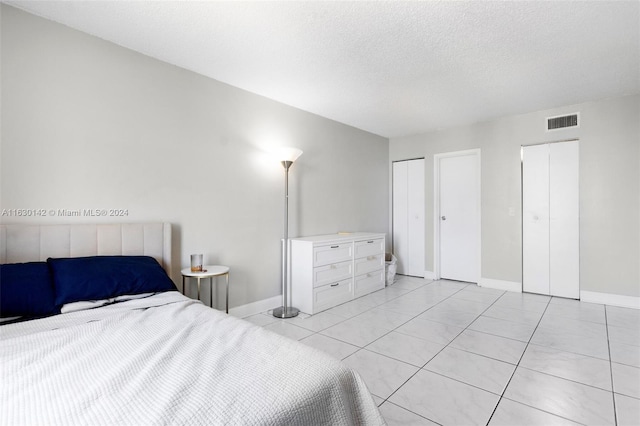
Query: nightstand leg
pixel 198 288
pixel 227 292
pixel 184 290
pixel 211 292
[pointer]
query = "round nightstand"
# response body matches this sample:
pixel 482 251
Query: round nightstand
pixel 209 271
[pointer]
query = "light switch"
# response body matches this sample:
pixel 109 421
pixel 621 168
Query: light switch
pixel 512 211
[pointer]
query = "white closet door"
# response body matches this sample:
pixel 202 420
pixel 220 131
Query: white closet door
pixel 415 218
pixel 408 216
pixel 535 219
pixel 564 226
pixel 550 219
pixel 400 211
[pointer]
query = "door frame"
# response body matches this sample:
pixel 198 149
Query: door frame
pixel 436 208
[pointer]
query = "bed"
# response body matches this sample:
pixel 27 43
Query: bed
pixel 154 357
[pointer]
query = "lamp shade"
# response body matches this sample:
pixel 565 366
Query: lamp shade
pixel 287 153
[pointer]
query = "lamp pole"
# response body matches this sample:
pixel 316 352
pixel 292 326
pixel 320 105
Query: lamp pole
pixel 286 311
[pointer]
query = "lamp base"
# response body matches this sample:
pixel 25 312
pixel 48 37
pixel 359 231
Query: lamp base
pixel 285 312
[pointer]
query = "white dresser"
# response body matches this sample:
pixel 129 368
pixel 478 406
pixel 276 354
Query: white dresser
pixel 327 270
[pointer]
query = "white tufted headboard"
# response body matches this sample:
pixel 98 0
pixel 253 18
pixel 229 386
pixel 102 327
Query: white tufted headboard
pixel 29 243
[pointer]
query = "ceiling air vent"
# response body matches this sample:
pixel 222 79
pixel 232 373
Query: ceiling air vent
pixel 562 122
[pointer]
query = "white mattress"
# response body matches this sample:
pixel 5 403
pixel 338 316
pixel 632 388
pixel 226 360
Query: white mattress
pixel 168 359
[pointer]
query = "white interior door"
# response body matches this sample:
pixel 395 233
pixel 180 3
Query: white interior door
pixel 400 212
pixel 459 216
pixel 535 219
pixel 408 216
pixel 564 225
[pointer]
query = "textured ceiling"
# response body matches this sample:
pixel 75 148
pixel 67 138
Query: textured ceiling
pixel 391 68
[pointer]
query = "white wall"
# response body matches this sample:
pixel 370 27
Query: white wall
pixel 609 136
pixel 87 124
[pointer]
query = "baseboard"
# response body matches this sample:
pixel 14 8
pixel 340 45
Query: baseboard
pixel 500 284
pixel 256 307
pixel 429 275
pixel 610 299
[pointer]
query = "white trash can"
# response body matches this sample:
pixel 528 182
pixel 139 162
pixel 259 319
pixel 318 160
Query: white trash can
pixel 390 267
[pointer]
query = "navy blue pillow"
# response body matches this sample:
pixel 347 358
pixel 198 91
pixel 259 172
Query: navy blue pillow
pixel 26 290
pixel 103 277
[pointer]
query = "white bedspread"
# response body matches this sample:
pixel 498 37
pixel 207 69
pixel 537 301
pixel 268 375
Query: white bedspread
pixel 168 359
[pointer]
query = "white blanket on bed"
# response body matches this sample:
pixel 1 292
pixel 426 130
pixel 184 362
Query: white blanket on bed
pixel 168 359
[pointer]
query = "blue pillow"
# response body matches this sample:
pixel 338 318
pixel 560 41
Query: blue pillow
pixel 26 290
pixel 103 277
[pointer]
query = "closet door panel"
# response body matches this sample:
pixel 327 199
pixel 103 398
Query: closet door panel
pixel 415 218
pixel 535 219
pixel 564 226
pixel 400 211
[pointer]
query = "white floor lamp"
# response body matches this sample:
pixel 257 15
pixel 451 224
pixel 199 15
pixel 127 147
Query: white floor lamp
pixel 286 156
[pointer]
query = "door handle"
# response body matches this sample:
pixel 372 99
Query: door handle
pixel 444 218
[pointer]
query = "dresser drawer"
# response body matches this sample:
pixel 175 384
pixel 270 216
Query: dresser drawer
pixel 369 247
pixel 368 282
pixel 331 273
pixel 369 263
pixel 330 295
pixel 333 253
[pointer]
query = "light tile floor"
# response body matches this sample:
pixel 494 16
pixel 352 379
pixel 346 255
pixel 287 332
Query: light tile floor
pixel 450 353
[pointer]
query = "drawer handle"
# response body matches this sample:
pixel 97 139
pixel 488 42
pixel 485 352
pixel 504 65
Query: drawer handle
pixel 335 285
pixel 369 242
pixel 371 258
pixel 335 246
